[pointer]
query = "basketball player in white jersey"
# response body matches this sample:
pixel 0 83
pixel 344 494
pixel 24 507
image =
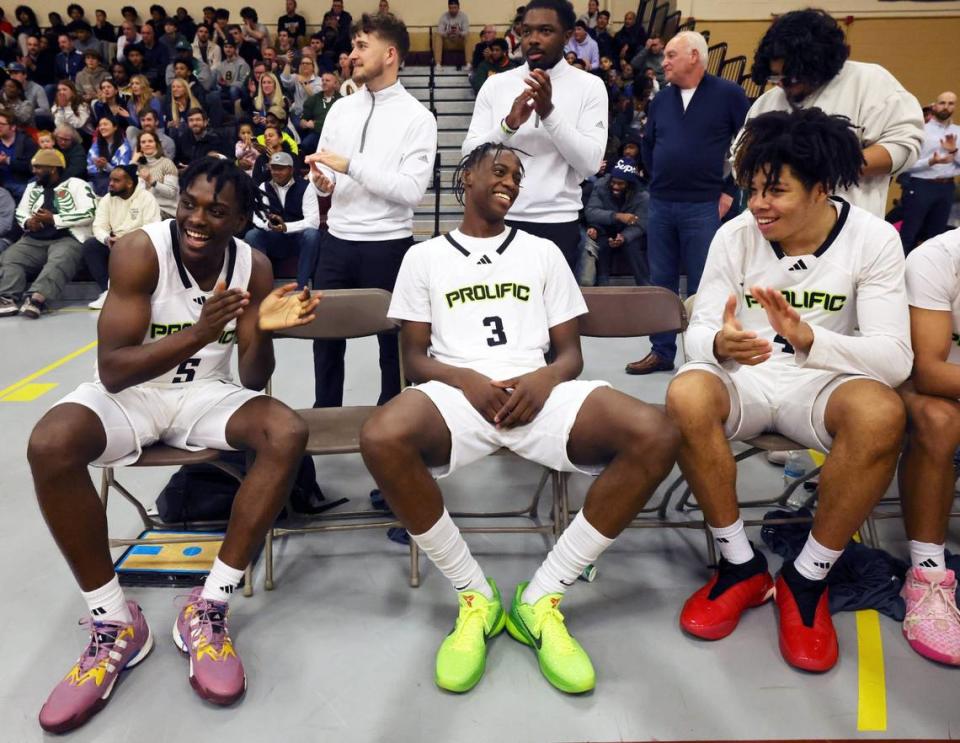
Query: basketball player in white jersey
pixel 773 348
pixel 480 307
pixel 927 469
pixel 182 293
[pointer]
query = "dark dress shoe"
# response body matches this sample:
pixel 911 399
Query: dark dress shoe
pixel 648 364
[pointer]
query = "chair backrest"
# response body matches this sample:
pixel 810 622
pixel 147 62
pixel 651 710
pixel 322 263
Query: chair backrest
pixel 657 17
pixel 644 12
pixel 732 69
pixel 347 313
pixel 752 90
pixel 631 311
pixel 671 25
pixel 715 56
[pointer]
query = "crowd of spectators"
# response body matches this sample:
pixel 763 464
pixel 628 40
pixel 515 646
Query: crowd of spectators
pixel 131 105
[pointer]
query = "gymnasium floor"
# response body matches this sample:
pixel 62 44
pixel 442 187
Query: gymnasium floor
pixel 343 649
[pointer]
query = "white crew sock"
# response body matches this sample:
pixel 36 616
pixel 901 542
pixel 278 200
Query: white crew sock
pixel 928 557
pixel 815 560
pixel 733 543
pixel 444 545
pixel 579 545
pixel 107 603
pixel 221 583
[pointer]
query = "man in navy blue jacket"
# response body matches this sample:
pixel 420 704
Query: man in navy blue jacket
pixel 690 125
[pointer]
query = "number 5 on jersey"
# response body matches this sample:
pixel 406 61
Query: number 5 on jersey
pixel 186 371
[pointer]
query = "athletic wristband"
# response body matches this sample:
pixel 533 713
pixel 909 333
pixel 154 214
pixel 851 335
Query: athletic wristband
pixel 506 129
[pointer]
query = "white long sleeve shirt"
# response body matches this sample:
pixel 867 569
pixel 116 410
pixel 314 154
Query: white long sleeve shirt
pixel 933 133
pixel 311 208
pixel 561 150
pixel 390 139
pixel 854 280
pixel 884 112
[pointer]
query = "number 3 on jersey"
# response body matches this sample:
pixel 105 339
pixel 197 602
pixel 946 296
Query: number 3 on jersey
pixel 497 336
pixel 186 371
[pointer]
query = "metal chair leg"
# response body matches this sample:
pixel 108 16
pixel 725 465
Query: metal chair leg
pixel 268 561
pixel 248 581
pixel 414 564
pixel 711 547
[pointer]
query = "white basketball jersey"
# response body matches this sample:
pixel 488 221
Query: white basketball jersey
pixel 490 301
pixel 177 301
pixel 933 280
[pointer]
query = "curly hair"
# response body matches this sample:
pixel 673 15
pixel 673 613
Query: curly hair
pixel 220 172
pixel 473 158
pixel 810 43
pixel 818 148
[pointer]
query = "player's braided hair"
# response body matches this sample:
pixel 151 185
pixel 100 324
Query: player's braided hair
pixel 819 148
pixel 221 172
pixel 474 157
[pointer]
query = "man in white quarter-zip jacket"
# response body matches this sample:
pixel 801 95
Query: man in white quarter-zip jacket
pixel 555 116
pixel 376 158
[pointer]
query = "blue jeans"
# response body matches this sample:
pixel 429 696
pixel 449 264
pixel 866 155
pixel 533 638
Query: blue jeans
pixel 281 245
pixel 678 234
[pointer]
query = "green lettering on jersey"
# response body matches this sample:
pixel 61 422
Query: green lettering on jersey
pixel 806 300
pixel 483 292
pixel 159 330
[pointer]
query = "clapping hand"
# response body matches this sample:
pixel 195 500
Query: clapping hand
pixel 286 307
pixel 732 342
pixel 784 319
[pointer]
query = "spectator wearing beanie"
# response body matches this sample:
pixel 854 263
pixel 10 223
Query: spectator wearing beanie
pixel 617 220
pixel 55 216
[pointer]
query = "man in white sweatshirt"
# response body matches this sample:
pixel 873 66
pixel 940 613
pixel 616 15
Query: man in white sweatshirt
pixel 375 157
pixel 805 54
pixel 555 116
pixel 124 209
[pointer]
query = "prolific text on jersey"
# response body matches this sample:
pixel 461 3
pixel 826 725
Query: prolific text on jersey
pixel 806 300
pixel 482 292
pixel 158 330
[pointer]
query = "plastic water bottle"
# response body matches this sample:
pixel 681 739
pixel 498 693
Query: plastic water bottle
pixel 798 464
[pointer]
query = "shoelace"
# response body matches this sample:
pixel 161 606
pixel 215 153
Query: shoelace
pixel 549 622
pixel 103 639
pixel 464 636
pixel 208 625
pixel 945 609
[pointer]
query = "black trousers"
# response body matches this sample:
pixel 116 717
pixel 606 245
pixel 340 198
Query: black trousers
pixel 97 257
pixel 926 210
pixel 566 235
pixel 356 264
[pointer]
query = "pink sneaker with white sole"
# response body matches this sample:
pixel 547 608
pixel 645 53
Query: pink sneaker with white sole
pixel 216 673
pixel 932 623
pixel 85 690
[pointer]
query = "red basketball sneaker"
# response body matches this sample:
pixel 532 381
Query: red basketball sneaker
pixel 806 642
pixel 714 611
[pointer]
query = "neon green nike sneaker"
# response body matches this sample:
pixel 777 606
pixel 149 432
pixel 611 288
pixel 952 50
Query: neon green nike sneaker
pixel 463 653
pixel 563 662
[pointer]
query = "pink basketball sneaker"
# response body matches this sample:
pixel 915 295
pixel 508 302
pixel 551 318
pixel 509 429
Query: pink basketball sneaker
pixel 216 673
pixel 84 691
pixel 932 624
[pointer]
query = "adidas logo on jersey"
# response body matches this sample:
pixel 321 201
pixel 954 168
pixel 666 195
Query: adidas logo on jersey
pixel 798 266
pixel 484 261
pixel 201 300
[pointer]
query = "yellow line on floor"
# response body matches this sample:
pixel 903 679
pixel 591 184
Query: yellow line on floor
pixel 872 704
pixel 45 370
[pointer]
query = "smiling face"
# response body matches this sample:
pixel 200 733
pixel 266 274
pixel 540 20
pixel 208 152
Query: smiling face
pixel 206 220
pixel 492 185
pixel 147 143
pixel 106 127
pixel 370 56
pixel 785 207
pixel 542 38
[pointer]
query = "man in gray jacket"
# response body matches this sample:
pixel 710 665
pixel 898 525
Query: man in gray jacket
pixel 617 220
